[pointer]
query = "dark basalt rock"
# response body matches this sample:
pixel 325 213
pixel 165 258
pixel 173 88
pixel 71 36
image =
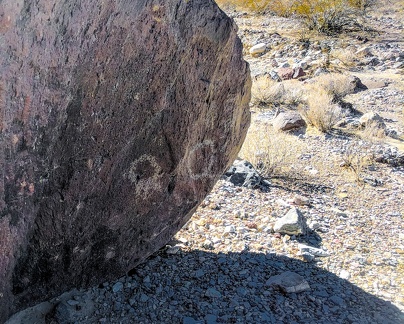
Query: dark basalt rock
pixel 243 174
pixel 117 118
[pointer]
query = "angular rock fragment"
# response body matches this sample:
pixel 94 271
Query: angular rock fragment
pixel 293 223
pixel 286 73
pixel 372 119
pixel 243 174
pixel 117 118
pixel 289 120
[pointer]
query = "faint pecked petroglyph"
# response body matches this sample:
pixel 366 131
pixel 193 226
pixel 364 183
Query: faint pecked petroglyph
pixel 146 173
pixel 201 159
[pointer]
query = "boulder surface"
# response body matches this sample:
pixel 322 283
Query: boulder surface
pixel 116 119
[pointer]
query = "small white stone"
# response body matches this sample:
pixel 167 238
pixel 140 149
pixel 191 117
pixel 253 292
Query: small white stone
pixel 230 229
pixel 258 49
pixel 344 274
pixel 216 240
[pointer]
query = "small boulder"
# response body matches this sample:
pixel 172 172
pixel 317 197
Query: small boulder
pixel 258 49
pixel 275 76
pixel 286 73
pixel 356 85
pixel 289 120
pixel 243 174
pixel 301 200
pixel 293 223
pixel 289 282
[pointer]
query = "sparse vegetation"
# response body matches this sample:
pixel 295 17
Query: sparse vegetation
pixel 357 158
pixel 346 56
pixel 270 152
pixel 326 16
pixel 317 101
pixel 373 132
pixel 337 85
pixel 320 111
pixel 267 93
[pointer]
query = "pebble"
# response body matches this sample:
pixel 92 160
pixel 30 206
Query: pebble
pixel 312 250
pixel 117 287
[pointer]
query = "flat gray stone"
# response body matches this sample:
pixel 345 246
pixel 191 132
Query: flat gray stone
pixel 289 282
pixel 312 250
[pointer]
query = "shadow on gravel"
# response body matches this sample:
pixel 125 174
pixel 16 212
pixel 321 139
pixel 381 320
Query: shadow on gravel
pixel 233 288
pixel 312 238
pixel 206 287
pixel 299 186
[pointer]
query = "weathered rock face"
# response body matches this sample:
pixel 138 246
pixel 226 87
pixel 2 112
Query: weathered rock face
pixel 117 118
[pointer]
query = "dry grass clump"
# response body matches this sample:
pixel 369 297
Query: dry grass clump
pixel 327 16
pixel 336 84
pixel 318 100
pixel 357 158
pixel 346 56
pixel 323 98
pixel 267 93
pixel 270 152
pixel 373 132
pixel 320 111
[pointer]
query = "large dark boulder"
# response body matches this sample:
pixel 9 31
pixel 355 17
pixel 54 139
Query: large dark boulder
pixel 117 118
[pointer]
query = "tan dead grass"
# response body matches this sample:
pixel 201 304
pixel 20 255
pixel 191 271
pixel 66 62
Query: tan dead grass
pixel 373 133
pixel 267 93
pixel 357 158
pixel 317 100
pixel 345 55
pixel 337 85
pixel 272 153
pixel 320 111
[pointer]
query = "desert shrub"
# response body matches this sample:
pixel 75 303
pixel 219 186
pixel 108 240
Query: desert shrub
pixel 267 93
pixel 327 16
pixel 356 158
pixel 270 152
pixel 250 5
pixel 336 84
pixel 320 111
pixel 319 101
pixel 346 56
